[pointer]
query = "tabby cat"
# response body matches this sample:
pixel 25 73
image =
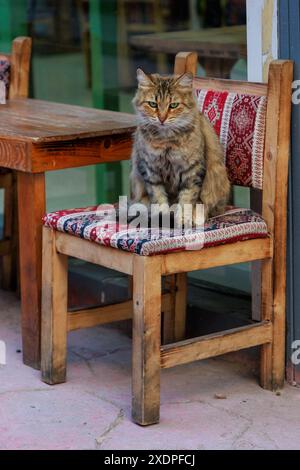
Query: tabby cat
pixel 177 156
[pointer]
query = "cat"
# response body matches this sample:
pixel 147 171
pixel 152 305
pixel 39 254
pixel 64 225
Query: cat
pixel 176 156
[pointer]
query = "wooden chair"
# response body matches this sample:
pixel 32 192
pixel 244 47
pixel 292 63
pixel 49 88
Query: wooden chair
pixel 249 237
pixel 15 71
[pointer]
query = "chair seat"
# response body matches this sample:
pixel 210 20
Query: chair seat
pixel 95 224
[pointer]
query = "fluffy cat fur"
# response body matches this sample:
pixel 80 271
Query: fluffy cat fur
pixel 177 156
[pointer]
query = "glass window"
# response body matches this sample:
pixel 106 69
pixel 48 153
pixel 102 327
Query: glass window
pixel 86 52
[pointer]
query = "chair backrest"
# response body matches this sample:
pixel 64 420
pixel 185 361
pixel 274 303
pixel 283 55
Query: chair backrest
pixel 253 122
pixel 15 67
pixel 239 121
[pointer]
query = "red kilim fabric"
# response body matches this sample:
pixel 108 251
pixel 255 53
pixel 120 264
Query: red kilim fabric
pixel 239 121
pixel 96 224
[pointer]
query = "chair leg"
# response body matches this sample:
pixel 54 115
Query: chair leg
pixel 267 359
pixel 146 340
pixel 54 311
pixel 256 290
pixel 180 306
pixel 168 324
pixel 174 319
pixel 279 325
pixel 9 261
pixel 15 241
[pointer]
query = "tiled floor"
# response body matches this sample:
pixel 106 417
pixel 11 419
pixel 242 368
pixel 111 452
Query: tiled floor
pixel 92 410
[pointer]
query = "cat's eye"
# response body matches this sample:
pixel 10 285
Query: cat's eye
pixel 152 104
pixel 174 105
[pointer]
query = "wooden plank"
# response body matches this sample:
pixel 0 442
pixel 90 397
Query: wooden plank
pixel 37 158
pixel 31 206
pixel 256 290
pixel 266 353
pixel 54 312
pixel 92 252
pixel 277 133
pixel 100 315
pixel 8 265
pixel 15 154
pixel 180 306
pixel 83 152
pixel 276 160
pixel 174 318
pixel 232 86
pixel 146 340
pixel 168 318
pixel 38 121
pixel 11 264
pixel 216 344
pixel 222 255
pixel 106 314
pixel 6 182
pixel 256 205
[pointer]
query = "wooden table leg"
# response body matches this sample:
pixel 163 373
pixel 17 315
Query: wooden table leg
pixel 32 206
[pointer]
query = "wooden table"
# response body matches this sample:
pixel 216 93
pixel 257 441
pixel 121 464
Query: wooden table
pixel 39 136
pixel 218 48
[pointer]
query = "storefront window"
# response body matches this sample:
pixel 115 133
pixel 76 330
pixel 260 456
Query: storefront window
pixel 86 52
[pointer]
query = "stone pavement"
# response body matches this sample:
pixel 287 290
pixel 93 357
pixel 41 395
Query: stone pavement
pixel 92 410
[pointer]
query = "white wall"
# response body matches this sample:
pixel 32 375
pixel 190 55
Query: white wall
pixel 262 37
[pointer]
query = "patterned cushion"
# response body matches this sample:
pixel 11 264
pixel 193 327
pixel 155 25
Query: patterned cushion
pixel 239 121
pixel 95 224
pixel 5 72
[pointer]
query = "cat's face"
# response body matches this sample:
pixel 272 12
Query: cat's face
pixel 164 103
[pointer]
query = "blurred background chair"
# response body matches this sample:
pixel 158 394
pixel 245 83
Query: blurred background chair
pixel 14 71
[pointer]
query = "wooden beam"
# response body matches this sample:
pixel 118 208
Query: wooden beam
pixel 222 255
pixel 146 331
pixel 216 344
pixel 59 155
pixel 31 208
pixel 276 163
pixel 106 314
pixel 54 312
pixel 232 86
pixel 92 252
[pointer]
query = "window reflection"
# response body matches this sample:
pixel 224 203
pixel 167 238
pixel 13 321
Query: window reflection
pixel 86 52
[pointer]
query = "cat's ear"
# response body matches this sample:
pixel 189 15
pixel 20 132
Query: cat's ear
pixel 142 78
pixel 185 80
